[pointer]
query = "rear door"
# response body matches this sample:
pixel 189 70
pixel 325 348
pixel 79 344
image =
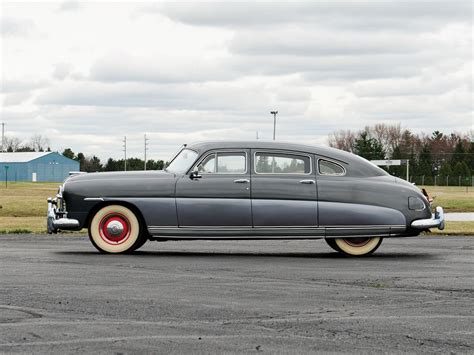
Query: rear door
pixel 284 192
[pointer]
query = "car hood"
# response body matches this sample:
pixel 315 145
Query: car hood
pixel 121 184
pixel 119 175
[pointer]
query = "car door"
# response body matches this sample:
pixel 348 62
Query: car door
pixel 219 195
pixel 284 192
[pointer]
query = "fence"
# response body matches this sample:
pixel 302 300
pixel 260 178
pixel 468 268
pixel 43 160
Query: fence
pixel 443 180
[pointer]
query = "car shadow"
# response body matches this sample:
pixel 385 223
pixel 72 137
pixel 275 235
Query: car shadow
pixel 230 254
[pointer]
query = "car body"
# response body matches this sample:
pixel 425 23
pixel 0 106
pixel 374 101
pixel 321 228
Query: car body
pixel 245 190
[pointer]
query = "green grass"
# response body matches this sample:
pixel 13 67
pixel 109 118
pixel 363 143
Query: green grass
pixel 455 228
pixel 23 207
pixel 452 198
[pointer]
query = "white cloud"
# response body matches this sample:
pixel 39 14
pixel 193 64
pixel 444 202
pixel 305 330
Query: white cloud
pixel 86 74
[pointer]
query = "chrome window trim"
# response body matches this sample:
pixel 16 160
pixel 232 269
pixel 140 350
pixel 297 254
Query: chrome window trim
pixel 215 152
pixel 286 153
pixel 331 161
pixel 183 148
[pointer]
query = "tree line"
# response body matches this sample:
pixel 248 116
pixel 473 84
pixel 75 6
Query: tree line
pixel 432 156
pixel 37 143
pixel 93 164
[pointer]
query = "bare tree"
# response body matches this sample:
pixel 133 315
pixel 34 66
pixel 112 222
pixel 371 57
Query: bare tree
pixel 343 139
pixel 39 143
pixel 12 144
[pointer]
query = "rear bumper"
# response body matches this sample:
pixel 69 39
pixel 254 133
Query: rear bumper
pixel 56 218
pixel 436 221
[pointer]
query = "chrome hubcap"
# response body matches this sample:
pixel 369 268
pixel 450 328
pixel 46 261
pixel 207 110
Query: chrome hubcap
pixel 115 228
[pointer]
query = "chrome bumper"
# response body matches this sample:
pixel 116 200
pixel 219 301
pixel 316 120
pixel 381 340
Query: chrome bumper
pixel 56 219
pixel 437 220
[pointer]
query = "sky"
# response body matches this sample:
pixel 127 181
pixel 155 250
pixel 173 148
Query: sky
pixel 86 74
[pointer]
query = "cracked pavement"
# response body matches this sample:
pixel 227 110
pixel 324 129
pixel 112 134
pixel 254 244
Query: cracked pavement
pixel 59 295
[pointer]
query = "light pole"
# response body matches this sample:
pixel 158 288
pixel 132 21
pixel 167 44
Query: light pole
pixel 146 148
pixel 274 113
pixel 125 152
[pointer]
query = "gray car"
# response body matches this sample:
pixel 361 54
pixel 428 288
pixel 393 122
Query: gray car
pixel 245 190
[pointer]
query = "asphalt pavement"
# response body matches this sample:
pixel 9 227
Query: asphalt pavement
pixel 58 295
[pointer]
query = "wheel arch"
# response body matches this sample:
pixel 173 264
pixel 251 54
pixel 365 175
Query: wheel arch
pixel 132 207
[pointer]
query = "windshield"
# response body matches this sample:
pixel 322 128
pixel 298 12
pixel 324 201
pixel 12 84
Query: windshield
pixel 182 162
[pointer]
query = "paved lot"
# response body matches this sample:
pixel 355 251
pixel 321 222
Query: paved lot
pixel 58 295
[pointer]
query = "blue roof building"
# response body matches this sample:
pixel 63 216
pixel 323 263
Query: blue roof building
pixel 36 166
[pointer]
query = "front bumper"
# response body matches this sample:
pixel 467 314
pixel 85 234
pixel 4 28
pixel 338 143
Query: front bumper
pixel 57 217
pixel 437 220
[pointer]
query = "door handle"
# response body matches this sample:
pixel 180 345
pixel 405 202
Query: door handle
pixel 307 181
pixel 242 181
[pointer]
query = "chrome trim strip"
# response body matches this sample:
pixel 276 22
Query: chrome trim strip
pixel 436 220
pixel 215 152
pixel 93 199
pixel 366 226
pixel 279 227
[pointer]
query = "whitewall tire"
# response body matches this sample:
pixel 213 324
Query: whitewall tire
pixel 114 229
pixel 358 246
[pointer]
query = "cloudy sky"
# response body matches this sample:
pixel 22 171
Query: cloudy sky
pixel 85 74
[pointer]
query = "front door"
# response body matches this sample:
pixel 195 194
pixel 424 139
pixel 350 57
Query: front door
pixel 219 196
pixel 284 192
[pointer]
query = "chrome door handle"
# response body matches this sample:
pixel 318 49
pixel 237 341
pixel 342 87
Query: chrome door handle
pixel 242 181
pixel 307 181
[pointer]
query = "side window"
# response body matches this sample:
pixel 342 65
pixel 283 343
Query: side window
pixel 281 163
pixel 223 163
pixel 231 163
pixel 327 167
pixel 208 165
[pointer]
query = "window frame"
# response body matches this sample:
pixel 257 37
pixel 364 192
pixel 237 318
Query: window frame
pixel 344 173
pixel 282 152
pixel 215 153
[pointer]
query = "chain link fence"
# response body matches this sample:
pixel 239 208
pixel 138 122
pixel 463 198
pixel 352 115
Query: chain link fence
pixel 443 180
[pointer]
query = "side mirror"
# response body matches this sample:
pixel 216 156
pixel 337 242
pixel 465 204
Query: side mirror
pixel 195 175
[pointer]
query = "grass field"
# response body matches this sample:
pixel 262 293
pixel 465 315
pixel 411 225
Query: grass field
pixel 23 206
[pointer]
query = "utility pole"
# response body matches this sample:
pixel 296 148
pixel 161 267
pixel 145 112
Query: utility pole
pixel 257 135
pixel 146 148
pixel 274 113
pixel 3 136
pixel 125 151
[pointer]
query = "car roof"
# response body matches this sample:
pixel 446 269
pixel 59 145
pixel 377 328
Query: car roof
pixel 261 144
pixel 358 166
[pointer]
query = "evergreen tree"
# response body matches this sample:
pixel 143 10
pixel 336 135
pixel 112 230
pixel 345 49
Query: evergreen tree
pixel 68 153
pixel 368 148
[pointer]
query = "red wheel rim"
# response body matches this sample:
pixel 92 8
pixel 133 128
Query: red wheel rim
pixel 114 228
pixel 357 242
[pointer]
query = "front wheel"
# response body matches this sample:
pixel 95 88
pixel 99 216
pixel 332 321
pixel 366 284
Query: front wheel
pixel 356 246
pixel 115 229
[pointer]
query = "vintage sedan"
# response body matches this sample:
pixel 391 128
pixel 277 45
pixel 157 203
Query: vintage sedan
pixel 245 190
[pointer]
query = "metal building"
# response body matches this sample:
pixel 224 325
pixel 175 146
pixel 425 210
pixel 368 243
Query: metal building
pixel 42 166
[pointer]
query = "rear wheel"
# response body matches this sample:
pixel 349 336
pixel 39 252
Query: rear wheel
pixel 115 229
pixel 357 246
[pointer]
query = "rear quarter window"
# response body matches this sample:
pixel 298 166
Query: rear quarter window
pixel 326 167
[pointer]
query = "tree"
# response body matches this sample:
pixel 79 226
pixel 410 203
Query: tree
pixel 343 139
pixel 39 143
pixel 11 144
pixel 425 167
pixel 68 153
pixel 445 170
pixel 461 169
pixel 81 159
pixel 459 154
pixel 368 148
pixel 470 159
